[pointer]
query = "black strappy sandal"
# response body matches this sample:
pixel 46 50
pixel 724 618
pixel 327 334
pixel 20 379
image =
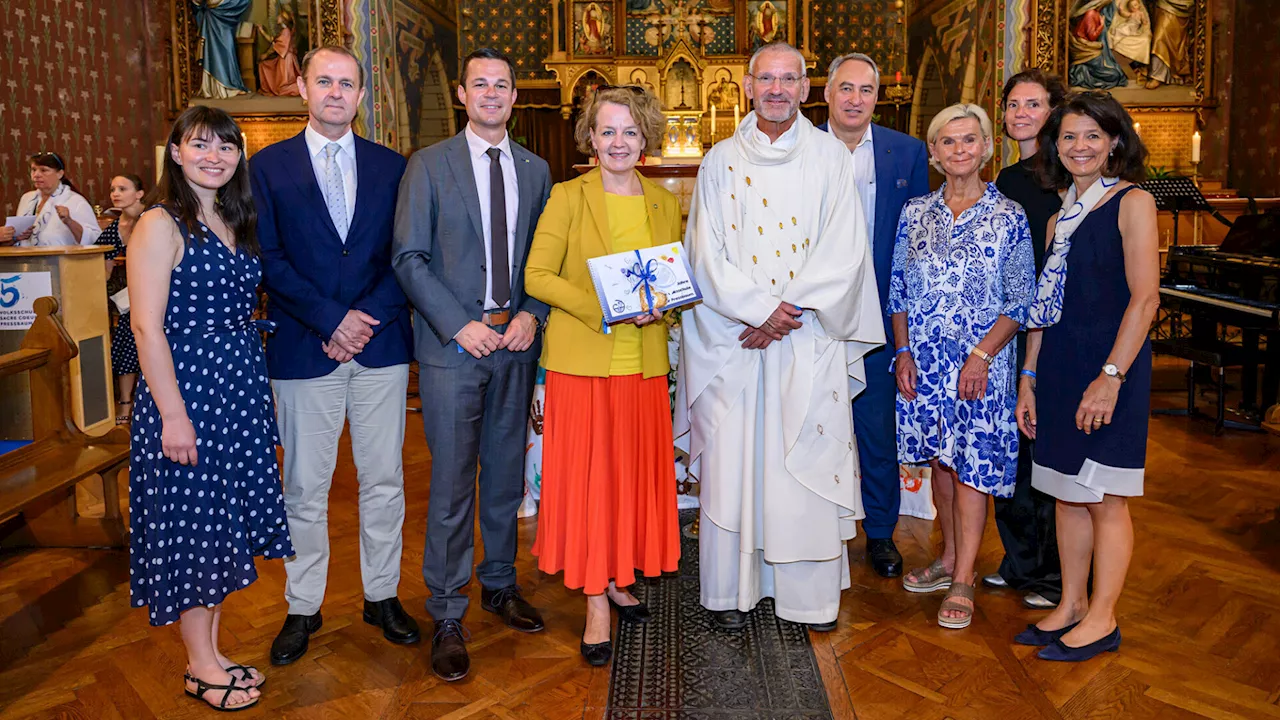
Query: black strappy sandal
pixel 203 687
pixel 247 676
pixel 122 419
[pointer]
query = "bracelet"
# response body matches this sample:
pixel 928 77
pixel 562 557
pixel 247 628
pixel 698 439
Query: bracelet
pixel 1028 373
pixel 981 354
pixel 904 348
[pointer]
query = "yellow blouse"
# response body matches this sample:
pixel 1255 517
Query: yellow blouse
pixel 629 229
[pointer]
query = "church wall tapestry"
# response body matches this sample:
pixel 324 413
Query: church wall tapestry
pixel 520 28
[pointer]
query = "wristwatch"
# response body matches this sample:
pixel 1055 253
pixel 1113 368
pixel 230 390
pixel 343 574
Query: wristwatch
pixel 982 354
pixel 1110 370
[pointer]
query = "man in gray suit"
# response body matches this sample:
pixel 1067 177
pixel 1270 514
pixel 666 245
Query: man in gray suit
pixel 465 218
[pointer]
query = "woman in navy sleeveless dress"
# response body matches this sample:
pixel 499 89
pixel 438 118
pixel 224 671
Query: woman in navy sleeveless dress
pixel 204 487
pixel 1085 391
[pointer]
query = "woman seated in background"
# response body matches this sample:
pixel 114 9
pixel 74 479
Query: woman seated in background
pixel 126 196
pixel 1086 384
pixel 962 279
pixel 608 502
pixel 63 216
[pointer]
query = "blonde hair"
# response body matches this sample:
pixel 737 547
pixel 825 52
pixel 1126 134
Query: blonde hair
pixel 644 108
pixel 960 111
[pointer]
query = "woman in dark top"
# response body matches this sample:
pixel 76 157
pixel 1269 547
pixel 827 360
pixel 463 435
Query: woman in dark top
pixel 1025 521
pixel 1088 406
pixel 126 196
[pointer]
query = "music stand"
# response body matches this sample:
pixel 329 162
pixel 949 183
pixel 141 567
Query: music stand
pixel 1175 195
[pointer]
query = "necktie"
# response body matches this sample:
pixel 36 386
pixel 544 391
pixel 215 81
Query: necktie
pixel 335 195
pixel 501 271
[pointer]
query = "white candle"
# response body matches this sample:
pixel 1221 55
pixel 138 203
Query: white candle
pixel 713 122
pixel 1195 147
pixel 1137 127
pixel 736 121
pixel 159 162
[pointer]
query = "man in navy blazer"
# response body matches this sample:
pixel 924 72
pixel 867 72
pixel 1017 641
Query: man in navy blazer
pixel 326 202
pixel 890 168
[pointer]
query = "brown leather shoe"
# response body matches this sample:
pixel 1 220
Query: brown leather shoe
pixel 508 604
pixel 449 660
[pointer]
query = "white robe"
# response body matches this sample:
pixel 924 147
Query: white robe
pixel 773 428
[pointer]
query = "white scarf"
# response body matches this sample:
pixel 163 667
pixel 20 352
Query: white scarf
pixel 1046 308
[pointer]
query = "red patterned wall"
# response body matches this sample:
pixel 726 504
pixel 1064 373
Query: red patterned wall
pixel 1255 111
pixel 83 78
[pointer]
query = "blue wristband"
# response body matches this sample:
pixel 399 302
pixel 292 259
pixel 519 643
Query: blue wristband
pixel 901 350
pixel 1029 373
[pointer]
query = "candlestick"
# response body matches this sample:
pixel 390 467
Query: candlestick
pixel 1137 128
pixel 713 123
pixel 897 77
pixel 736 120
pixel 1195 147
pixel 159 161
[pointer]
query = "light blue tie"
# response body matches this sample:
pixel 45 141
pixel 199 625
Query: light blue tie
pixel 335 193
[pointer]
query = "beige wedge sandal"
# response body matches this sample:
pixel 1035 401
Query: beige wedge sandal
pixel 949 603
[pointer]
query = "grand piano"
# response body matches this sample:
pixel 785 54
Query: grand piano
pixel 1225 300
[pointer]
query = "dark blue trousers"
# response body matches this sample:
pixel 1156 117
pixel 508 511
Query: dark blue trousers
pixel 877 433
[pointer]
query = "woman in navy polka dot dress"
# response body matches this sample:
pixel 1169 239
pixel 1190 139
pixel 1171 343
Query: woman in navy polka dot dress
pixel 204 487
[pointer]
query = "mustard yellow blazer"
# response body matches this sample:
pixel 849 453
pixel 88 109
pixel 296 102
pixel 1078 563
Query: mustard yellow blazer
pixel 573 229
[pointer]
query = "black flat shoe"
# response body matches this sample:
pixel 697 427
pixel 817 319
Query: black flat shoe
pixel 729 619
pixel 823 627
pixel 598 654
pixel 508 604
pixel 449 659
pixel 1036 637
pixel 638 613
pixel 885 558
pixel 1062 652
pixel 396 624
pixel 292 641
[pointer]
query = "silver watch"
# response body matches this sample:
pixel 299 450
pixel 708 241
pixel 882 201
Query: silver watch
pixel 1110 370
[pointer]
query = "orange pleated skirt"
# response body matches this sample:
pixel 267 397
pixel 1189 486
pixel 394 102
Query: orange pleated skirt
pixel 608 505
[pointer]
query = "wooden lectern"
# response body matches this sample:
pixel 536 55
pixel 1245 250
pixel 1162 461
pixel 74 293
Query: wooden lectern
pixel 76 277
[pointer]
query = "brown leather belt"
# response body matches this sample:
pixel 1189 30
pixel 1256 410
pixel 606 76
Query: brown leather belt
pixel 496 317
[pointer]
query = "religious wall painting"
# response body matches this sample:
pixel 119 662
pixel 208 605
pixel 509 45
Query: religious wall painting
pixel 723 93
pixel 1142 51
pixel 592 28
pixel 767 21
pixel 689 20
pixel 245 55
pixel 424 104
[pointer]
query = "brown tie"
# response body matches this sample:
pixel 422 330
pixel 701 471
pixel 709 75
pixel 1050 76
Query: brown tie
pixel 501 271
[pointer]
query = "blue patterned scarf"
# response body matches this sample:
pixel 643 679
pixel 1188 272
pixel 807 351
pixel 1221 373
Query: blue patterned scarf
pixel 1046 308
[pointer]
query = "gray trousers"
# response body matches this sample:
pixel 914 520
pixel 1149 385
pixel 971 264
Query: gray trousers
pixel 311 414
pixel 477 411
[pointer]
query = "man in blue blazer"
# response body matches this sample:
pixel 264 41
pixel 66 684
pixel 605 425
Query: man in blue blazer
pixel 326 202
pixel 890 169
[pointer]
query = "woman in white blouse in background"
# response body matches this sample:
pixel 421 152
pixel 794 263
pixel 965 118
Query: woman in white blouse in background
pixel 63 216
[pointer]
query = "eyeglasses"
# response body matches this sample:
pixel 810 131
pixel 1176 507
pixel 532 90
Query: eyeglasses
pixel 788 81
pixel 48 155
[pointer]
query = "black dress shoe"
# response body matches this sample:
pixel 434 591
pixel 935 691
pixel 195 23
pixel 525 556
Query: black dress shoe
pixel 823 627
pixel 885 558
pixel 291 643
pixel 509 605
pixel 637 613
pixel 449 660
pixel 598 654
pixel 729 619
pixel 396 624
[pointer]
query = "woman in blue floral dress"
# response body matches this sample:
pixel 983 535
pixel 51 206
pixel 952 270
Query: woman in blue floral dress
pixel 963 276
pixel 204 487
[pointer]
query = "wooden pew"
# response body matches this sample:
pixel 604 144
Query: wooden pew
pixel 38 481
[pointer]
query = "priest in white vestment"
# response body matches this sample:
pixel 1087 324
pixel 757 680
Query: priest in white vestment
pixel 771 358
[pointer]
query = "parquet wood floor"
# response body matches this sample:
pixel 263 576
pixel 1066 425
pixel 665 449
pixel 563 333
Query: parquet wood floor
pixel 1201 620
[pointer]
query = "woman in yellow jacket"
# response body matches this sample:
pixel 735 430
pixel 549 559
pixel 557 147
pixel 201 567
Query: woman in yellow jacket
pixel 608 502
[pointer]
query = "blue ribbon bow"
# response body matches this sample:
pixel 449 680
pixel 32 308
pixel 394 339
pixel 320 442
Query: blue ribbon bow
pixel 644 274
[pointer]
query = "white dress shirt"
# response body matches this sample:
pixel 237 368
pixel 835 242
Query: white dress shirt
pixel 346 158
pixel 864 174
pixel 480 167
pixel 49 230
